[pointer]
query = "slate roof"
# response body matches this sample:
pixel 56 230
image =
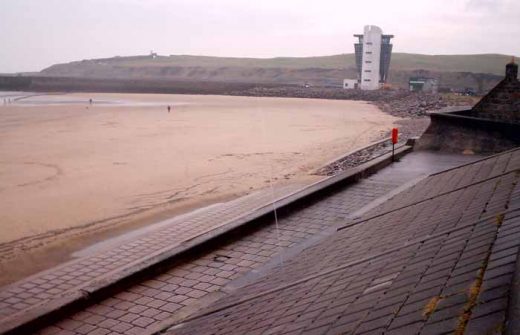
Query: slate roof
pixel 438 258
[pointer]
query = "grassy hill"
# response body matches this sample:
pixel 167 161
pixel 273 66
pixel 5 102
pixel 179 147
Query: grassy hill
pixel 324 70
pixel 482 63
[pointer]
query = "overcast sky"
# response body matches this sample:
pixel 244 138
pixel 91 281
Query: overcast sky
pixel 35 34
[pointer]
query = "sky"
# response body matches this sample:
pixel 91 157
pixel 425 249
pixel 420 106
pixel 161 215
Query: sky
pixel 35 34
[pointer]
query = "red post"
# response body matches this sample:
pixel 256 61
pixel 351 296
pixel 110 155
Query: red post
pixel 395 138
pixel 395 135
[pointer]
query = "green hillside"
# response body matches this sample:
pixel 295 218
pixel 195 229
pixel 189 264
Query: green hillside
pixel 453 71
pixel 327 62
pixel 483 63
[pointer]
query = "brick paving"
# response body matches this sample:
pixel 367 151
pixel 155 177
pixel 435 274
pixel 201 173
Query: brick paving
pixel 58 281
pixel 183 285
pixel 143 306
pixel 436 259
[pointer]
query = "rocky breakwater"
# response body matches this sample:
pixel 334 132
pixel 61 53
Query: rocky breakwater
pixel 412 105
pixel 401 103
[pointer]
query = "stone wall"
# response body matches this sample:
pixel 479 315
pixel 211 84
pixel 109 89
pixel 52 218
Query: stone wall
pixel 450 132
pixel 493 125
pixel 502 102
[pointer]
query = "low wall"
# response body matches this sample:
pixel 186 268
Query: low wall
pixel 67 84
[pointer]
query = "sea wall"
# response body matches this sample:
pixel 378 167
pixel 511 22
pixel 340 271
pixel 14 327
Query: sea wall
pixel 68 84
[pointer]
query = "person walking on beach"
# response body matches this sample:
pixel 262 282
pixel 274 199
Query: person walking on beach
pixel 169 107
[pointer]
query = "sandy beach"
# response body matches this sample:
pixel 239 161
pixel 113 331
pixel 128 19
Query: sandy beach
pixel 68 165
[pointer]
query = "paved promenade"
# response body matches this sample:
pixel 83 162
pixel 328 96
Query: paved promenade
pixel 439 258
pixel 195 281
pixel 56 282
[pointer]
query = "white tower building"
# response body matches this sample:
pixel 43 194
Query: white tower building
pixel 373 54
pixel 371 57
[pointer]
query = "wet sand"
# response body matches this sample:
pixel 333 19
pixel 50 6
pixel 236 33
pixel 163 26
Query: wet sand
pixel 68 168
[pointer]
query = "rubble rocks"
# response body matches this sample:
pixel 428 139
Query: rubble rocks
pixel 399 103
pixel 413 105
pixel 355 159
pixel 322 93
pixel 408 128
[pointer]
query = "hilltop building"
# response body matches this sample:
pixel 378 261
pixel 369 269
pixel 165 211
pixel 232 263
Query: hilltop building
pixel 373 53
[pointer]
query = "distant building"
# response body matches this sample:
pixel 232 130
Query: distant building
pixel 350 84
pixel 422 84
pixel 373 53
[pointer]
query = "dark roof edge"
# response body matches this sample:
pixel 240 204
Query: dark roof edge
pixel 513 310
pixel 476 161
pixel 329 271
pixel 426 199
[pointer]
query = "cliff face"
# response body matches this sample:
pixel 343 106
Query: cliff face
pixel 318 71
pixel 316 76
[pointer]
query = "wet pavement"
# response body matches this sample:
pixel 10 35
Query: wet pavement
pixel 438 258
pixel 195 281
